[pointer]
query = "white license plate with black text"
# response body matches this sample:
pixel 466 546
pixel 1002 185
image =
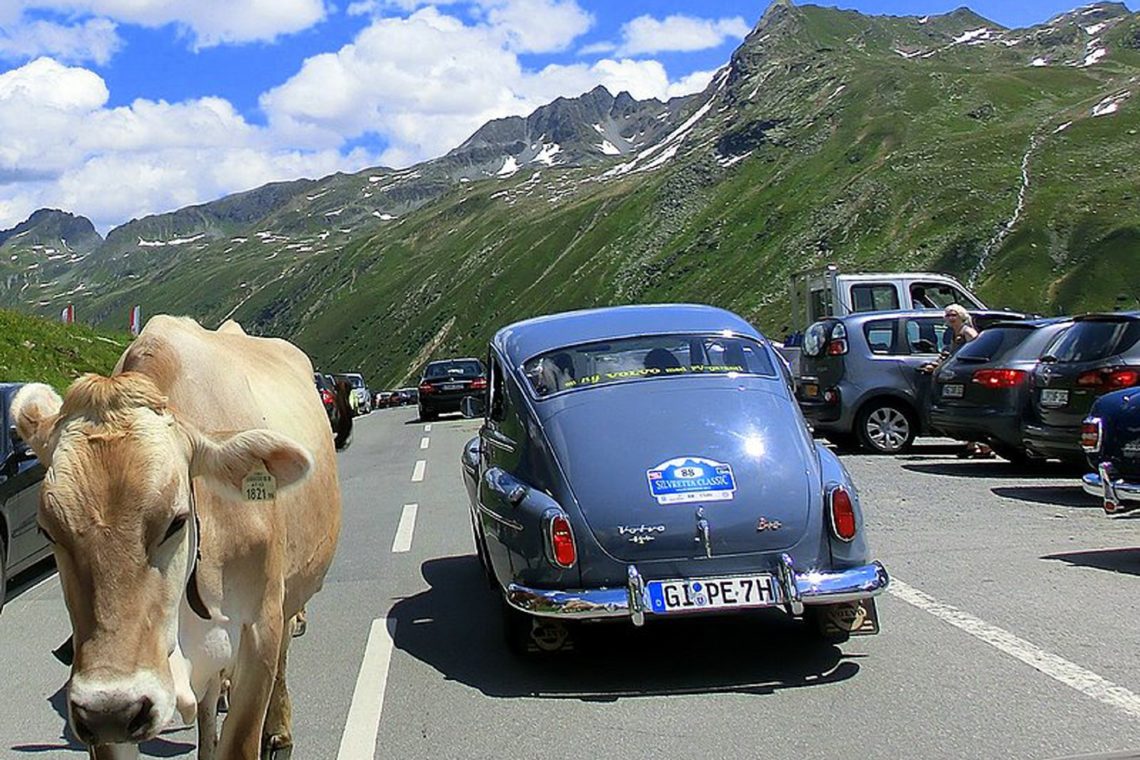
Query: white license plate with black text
pixel 1054 397
pixel 711 594
pixel 953 390
pixel 451 386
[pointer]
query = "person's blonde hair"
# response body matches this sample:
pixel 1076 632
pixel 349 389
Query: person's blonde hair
pixel 960 311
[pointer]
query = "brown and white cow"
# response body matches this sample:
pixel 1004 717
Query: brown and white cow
pixel 193 500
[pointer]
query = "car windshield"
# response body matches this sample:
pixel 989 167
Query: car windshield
pixel 1095 339
pixel 356 381
pixel 993 343
pixel 454 368
pixel 645 358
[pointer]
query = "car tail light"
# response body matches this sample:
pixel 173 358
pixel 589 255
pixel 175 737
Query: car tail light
pixel 837 346
pixel 999 378
pixel 327 398
pixel 1092 430
pixel 427 388
pixel 1110 377
pixel 479 384
pixel 561 537
pixel 842 513
pixel 831 396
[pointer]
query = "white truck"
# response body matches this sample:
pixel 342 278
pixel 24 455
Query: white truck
pixel 827 292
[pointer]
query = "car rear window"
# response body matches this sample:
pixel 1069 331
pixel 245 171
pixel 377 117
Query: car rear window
pixel 645 358
pixel 1095 339
pixel 993 343
pixel 454 368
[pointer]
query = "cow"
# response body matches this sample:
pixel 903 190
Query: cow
pixel 193 502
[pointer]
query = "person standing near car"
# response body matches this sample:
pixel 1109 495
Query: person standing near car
pixel 961 325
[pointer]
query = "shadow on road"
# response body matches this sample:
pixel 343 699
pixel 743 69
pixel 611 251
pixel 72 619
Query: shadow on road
pixel 1064 496
pixel 996 468
pixel 1125 561
pixel 455 628
pixel 160 747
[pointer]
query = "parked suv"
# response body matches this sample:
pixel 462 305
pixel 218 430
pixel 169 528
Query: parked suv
pixel 981 393
pixel 859 374
pixel 1098 354
pixel 445 382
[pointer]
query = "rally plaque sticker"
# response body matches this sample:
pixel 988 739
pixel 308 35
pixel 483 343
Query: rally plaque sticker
pixel 687 479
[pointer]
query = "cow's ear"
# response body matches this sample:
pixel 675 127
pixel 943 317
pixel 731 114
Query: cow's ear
pixel 35 410
pixel 228 461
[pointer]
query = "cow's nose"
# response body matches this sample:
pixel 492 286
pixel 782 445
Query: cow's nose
pixel 106 721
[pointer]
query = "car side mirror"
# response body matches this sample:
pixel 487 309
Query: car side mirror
pixel 472 407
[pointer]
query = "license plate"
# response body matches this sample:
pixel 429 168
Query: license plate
pixel 711 594
pixel 953 390
pixel 1054 397
pixel 451 386
pixel 811 390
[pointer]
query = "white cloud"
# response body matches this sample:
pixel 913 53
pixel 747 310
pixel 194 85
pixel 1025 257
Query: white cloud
pixel 207 22
pixel 64 148
pixel 538 26
pixel 92 40
pixel 677 33
pixel 426 82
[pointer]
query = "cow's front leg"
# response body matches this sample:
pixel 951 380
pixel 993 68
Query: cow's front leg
pixel 208 720
pixel 114 752
pixel 251 686
pixel 277 741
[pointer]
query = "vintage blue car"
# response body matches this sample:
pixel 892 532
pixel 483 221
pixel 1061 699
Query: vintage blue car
pixel 645 462
pixel 1110 437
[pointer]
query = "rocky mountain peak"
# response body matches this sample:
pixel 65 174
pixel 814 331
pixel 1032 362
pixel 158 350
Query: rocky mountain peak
pixel 53 227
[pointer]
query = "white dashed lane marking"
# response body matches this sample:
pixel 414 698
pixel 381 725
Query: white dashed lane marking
pixel 405 529
pixel 419 470
pixel 425 442
pixel 363 724
pixel 427 428
pixel 1058 668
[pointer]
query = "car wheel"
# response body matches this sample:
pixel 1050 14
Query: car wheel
pixel 886 427
pixel 3 573
pixel 426 416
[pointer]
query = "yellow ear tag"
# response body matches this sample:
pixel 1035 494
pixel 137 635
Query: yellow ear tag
pixel 259 485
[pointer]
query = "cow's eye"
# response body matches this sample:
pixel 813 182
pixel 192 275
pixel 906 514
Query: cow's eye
pixel 175 525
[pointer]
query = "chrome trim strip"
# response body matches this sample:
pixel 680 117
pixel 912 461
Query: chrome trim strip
pixel 499 518
pixel 812 587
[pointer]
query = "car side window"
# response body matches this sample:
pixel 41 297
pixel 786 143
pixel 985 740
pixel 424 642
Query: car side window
pixel 880 336
pixel 874 297
pixel 496 401
pixel 926 336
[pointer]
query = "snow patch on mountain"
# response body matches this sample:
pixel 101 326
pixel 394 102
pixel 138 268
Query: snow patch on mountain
pixel 509 168
pixel 175 241
pixel 609 148
pixel 547 154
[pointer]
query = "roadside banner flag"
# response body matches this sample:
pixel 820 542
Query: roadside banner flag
pixel 67 316
pixel 136 320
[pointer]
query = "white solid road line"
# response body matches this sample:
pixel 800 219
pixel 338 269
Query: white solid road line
pixel 1058 668
pixel 425 442
pixel 405 529
pixel 363 724
pixel 418 471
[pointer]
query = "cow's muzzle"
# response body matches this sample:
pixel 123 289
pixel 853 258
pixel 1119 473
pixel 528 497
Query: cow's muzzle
pixel 112 713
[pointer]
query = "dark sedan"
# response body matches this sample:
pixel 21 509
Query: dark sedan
pixel 1100 353
pixel 21 543
pixel 981 392
pixel 445 382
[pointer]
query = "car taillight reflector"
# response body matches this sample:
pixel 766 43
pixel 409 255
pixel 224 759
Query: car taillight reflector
pixel 1113 377
pixel 842 514
pixel 1090 435
pixel 562 547
pixel 479 384
pixel 427 388
pixel 999 378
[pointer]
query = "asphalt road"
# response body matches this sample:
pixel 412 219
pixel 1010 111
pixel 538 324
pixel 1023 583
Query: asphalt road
pixel 1010 631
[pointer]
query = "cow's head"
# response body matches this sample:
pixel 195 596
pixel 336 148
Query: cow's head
pixel 118 506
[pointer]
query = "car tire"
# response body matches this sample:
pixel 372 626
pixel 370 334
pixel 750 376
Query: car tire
pixel 3 572
pixel 426 416
pixel 886 427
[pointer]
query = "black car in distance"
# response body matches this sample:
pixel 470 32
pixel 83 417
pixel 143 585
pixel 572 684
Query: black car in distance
pixel 981 393
pixel 1100 353
pixel 446 381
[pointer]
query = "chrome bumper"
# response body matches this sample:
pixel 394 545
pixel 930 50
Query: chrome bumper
pixel 795 590
pixel 1116 495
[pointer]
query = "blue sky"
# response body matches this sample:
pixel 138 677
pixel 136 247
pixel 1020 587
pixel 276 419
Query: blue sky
pixel 115 109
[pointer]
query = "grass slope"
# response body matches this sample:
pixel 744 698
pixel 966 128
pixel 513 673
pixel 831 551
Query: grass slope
pixel 37 350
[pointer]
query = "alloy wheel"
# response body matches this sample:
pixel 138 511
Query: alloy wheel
pixel 888 429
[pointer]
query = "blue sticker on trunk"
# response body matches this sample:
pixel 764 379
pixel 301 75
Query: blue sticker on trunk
pixel 687 479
